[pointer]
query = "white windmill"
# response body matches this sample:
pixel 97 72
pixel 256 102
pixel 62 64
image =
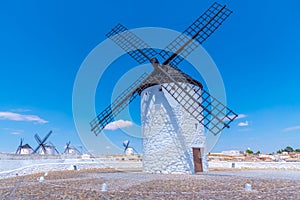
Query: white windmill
pixel 23 149
pixel 70 150
pixel 128 150
pixel 44 148
pixel 175 110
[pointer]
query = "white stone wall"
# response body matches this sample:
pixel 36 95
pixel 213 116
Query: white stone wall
pixel 254 165
pixel 169 133
pixel 9 168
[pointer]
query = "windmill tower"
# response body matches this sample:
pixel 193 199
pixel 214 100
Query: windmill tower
pixel 176 111
pixel 45 148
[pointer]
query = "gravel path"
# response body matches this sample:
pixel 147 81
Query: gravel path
pixel 87 184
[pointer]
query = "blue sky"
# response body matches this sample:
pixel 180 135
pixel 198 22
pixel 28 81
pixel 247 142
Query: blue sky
pixel 44 43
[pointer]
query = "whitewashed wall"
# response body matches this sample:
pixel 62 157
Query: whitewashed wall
pixel 254 165
pixel 169 133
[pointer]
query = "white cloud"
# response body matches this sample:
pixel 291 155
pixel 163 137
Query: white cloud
pixel 241 116
pixel 118 124
pixel 13 131
pixel 243 124
pixel 293 128
pixel 20 117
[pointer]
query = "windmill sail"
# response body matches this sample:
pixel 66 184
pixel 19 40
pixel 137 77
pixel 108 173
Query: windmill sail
pixel 131 43
pixel 197 102
pixel 200 30
pixel 67 147
pixel 41 142
pixel 126 144
pixel 20 147
pixel 119 104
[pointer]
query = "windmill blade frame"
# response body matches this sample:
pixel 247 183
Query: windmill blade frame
pixel 44 148
pixel 55 149
pixel 46 137
pixel 41 142
pixel 77 150
pixel 184 44
pixel 131 43
pixel 135 150
pixel 219 120
pixel 18 151
pixel 67 146
pixel 119 104
pixel 37 138
pixel 126 145
pixel 216 115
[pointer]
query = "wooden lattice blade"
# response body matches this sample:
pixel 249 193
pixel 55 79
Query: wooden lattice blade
pixel 210 112
pixel 195 34
pixel 131 43
pixel 119 104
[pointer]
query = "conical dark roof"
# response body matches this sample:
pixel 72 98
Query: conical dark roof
pixel 158 77
pixel 26 146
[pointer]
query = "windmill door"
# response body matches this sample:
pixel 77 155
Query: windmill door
pixel 197 160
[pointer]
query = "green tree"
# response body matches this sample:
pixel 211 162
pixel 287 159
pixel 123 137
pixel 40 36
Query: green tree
pixel 248 151
pixel 288 149
pixel 258 152
pixel 279 151
pixel 297 150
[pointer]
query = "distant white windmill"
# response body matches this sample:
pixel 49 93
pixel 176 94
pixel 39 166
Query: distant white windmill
pixel 128 150
pixel 24 149
pixel 71 150
pixel 43 147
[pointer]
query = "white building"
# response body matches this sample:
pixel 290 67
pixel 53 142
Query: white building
pixel 173 140
pixel 232 152
pixel 85 156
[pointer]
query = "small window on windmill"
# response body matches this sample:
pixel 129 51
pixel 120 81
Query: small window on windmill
pixel 160 89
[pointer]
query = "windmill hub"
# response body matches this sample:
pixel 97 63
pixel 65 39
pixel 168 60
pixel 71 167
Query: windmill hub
pixel 154 62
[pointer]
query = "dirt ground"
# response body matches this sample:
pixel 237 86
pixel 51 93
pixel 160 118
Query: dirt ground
pixel 88 184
